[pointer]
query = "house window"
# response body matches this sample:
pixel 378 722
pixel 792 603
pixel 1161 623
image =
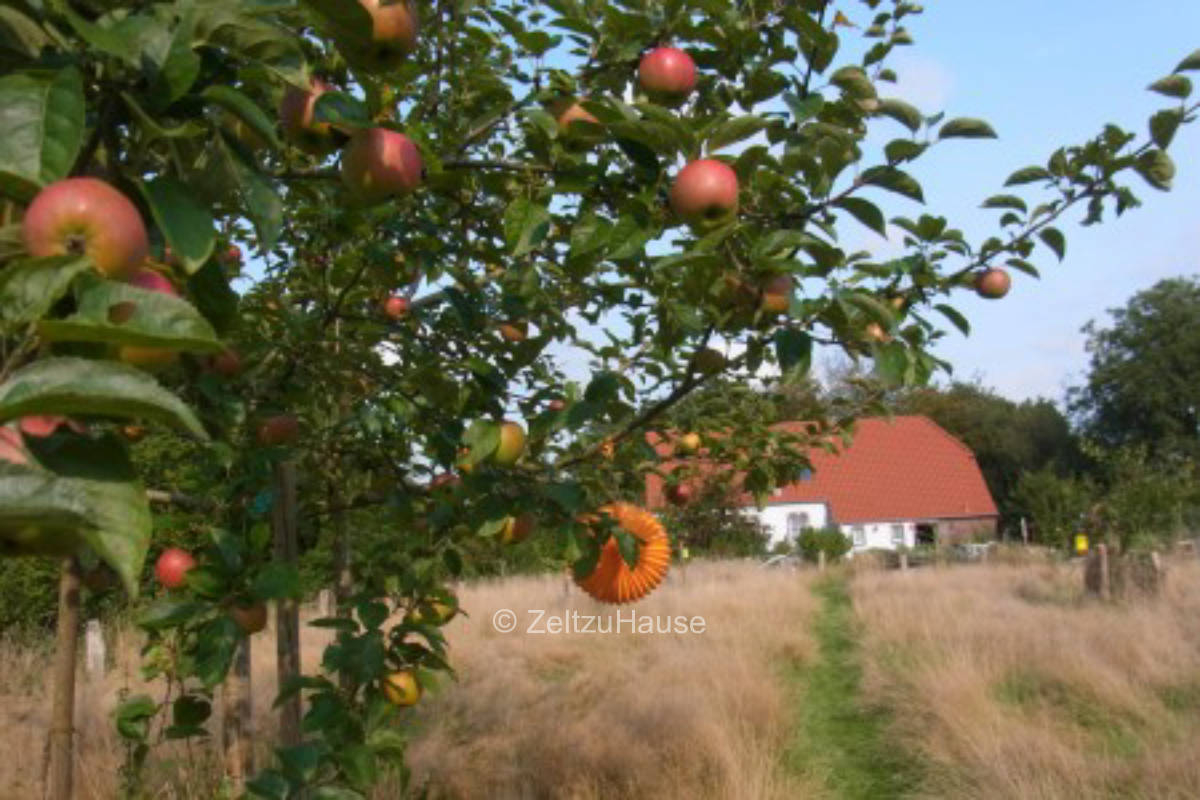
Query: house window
pixel 897 536
pixel 806 474
pixel 860 535
pixel 796 523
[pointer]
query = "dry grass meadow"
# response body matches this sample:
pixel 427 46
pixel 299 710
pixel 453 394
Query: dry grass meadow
pixel 994 681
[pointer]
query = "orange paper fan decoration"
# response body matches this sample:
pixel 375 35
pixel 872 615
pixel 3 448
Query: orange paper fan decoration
pixel 613 581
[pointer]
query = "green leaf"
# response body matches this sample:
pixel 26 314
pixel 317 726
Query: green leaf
pixel 41 129
pixel 1028 175
pixel 169 613
pixel 1190 64
pixel 1157 168
pixel 276 582
pixel 854 82
pixel 1024 266
pixel 123 314
pixel 79 386
pixel 1006 201
pixel 1055 240
pixel 526 225
pixel 349 24
pixel 260 201
pixel 28 288
pixel 899 150
pixel 958 320
pixel 336 793
pixel 567 496
pixel 891 363
pixel 735 130
pixel 482 437
pixel 793 348
pixel 906 114
pixel 804 109
pixel 189 710
pixel 244 109
pixel 210 292
pixel 865 212
pixel 178 65
pixel 1163 126
pixel 1178 86
pixel 894 180
pixel 269 785
pixel 133 717
pixel 966 128
pixel 339 108
pixel 187 225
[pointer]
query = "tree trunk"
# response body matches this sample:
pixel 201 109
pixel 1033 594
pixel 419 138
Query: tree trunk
pixel 344 577
pixel 287 612
pixel 62 716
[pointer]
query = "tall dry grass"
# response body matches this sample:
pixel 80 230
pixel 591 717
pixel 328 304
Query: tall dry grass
pixel 1010 684
pixel 531 716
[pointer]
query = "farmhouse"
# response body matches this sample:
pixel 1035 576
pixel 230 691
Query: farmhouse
pixel 903 481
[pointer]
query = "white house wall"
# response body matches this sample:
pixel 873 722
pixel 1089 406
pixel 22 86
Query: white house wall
pixel 774 517
pixel 880 536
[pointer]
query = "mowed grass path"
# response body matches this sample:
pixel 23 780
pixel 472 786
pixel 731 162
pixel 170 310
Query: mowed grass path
pixel 837 738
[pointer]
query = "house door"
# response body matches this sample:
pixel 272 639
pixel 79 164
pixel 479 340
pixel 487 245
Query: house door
pixel 926 534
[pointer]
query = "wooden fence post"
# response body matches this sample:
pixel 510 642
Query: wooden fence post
pixel 1105 577
pixel 95 655
pixel 62 715
pixel 903 561
pixel 287 612
pixel 820 560
pixel 238 720
pixel 1024 532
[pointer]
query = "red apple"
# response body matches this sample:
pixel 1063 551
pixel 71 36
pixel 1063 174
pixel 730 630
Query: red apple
pixel 227 364
pixel 570 112
pixel 12 447
pixel 667 75
pixel 556 405
pixel 296 117
pixel 777 295
pixel 133 433
pixel 705 192
pixel 517 529
pixel 251 619
pixel 278 430
pixel 232 256
pixel 379 164
pixel 152 281
pixel 512 444
pixel 517 331
pixel 41 426
pixel 993 283
pixel 86 216
pixel 172 567
pixel 396 307
pixel 394 28
pixel 679 494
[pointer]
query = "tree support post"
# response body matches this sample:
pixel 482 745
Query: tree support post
pixel 62 715
pixel 287 611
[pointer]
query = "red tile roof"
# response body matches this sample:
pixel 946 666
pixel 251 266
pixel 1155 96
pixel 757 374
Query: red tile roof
pixel 905 467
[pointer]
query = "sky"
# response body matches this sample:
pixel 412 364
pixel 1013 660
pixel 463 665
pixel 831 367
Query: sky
pixel 1047 74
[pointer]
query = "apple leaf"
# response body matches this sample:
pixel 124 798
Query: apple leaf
pixel 1163 126
pixel 526 224
pixel 210 292
pixel 966 128
pixel 245 110
pixel 865 212
pixel 80 386
pixel 339 108
pixel 894 180
pixel 1191 63
pixel 349 24
pixel 41 129
pixel 1055 240
pixel 793 348
pixel 1177 86
pixel 122 314
pixel 906 114
pixel 184 221
pixel 892 363
pixel 1028 175
pixel 627 545
pixel 735 130
pixel 958 320
pixel 28 288
pixel 483 437
pixel 178 65
pixel 260 201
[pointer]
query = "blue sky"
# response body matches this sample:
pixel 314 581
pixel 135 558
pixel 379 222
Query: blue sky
pixel 1046 74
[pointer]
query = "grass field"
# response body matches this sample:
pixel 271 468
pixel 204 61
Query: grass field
pixel 973 681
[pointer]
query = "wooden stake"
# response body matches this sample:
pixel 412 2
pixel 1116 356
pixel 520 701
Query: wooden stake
pixel 62 716
pixel 287 612
pixel 238 717
pixel 1105 585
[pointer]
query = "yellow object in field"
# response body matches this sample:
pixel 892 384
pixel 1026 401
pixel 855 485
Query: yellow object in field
pixel 1081 544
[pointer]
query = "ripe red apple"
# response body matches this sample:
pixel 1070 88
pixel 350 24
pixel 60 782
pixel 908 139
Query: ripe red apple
pixel 227 364
pixel 86 216
pixel 517 529
pixel 517 331
pixel 43 425
pixel 556 405
pixel 705 193
pixel 133 433
pixel 149 358
pixel 12 447
pixel 296 117
pixel 667 75
pixel 512 444
pixel 679 494
pixel 396 307
pixel 777 295
pixel 379 164
pixel 993 283
pixel 172 567
pixel 394 28
pixel 232 256
pixel 251 619
pixel 278 430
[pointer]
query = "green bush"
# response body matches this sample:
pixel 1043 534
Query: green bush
pixel 830 541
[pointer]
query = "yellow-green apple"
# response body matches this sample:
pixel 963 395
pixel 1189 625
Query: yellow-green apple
pixel 517 529
pixel 443 612
pixel 250 618
pixel 777 295
pixel 278 430
pixel 667 75
pixel 86 216
pixel 394 28
pixel 993 283
pixel 705 193
pixel 296 117
pixel 512 444
pixel 688 443
pixel 401 688
pixel 379 164
pixel 172 567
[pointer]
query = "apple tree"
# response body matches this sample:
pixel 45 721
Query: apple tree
pixel 492 244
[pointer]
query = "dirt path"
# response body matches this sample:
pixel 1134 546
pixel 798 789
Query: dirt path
pixel 838 738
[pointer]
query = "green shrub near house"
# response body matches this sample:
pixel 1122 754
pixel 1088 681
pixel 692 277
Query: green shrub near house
pixel 831 541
